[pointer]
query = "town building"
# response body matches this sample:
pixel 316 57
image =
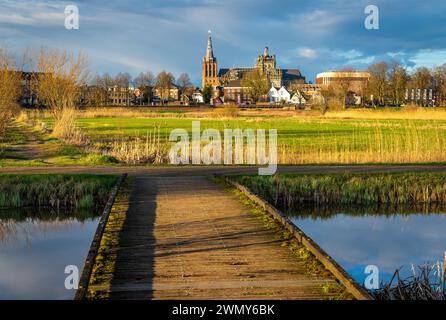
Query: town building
pixel 356 80
pixel 119 96
pixel 235 92
pixel 29 82
pixel 197 96
pixel 170 94
pixel 279 95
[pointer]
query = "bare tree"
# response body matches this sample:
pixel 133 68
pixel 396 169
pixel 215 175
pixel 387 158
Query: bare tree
pixel 421 78
pixel 144 80
pixel 123 80
pixel 108 80
pixel 183 81
pixel 9 88
pixel 420 81
pixel 256 83
pixel 343 86
pixel 378 81
pixel 97 92
pixel 164 83
pixel 397 79
pixel 60 78
pixel 439 83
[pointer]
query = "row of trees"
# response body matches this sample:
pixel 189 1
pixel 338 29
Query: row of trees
pixel 392 84
pixel 389 82
pixel 144 79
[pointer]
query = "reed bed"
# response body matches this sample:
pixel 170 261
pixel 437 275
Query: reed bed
pixel 291 191
pixel 407 113
pixel 370 142
pixel 427 282
pixel 56 191
pixel 139 151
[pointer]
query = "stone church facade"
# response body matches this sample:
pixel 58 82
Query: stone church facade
pixel 265 63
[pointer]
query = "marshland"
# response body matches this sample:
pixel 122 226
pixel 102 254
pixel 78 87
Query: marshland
pixel 141 135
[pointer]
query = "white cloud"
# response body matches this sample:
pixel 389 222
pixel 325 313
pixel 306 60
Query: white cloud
pixel 350 55
pixel 307 53
pixel 15 19
pixel 317 23
pixel 39 13
pixel 429 58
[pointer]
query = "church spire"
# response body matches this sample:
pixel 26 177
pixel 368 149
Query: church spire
pixel 209 50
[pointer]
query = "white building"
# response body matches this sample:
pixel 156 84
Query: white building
pixel 197 97
pixel 298 99
pixel 279 95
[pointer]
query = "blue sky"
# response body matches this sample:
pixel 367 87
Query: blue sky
pixel 314 36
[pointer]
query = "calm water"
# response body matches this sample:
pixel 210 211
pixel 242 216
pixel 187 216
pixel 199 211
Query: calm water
pixel 35 248
pixel 357 238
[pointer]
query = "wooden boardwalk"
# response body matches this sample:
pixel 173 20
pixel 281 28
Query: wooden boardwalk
pixel 188 238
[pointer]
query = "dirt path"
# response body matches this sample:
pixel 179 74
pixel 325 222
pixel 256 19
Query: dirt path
pixel 209 170
pixel 32 145
pixel 188 238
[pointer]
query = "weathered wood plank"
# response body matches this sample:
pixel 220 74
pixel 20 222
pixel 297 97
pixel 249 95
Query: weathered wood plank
pixel 188 238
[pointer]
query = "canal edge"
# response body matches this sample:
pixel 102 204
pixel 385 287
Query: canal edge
pixel 94 247
pixel 355 289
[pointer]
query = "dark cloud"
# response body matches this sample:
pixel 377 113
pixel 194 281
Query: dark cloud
pixel 154 35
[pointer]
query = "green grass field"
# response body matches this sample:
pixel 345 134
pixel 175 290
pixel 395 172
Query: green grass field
pixel 303 141
pixel 133 136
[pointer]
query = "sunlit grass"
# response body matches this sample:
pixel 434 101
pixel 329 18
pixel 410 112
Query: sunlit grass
pixel 348 137
pixel 295 190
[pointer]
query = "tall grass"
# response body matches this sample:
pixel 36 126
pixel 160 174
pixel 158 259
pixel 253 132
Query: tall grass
pixel 137 150
pixel 65 128
pixel 292 191
pixel 370 142
pixel 58 191
pixel 427 282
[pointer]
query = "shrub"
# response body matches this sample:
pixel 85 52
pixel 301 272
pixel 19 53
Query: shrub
pixel 228 111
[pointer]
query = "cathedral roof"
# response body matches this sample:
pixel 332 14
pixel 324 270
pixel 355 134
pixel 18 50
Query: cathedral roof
pixel 291 74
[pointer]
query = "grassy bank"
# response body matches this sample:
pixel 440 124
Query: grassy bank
pixel 58 191
pixel 294 190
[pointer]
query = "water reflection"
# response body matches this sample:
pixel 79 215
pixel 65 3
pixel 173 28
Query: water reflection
pixel 387 237
pixel 35 247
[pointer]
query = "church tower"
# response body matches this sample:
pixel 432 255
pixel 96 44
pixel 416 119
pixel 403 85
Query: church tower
pixel 265 62
pixel 209 72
